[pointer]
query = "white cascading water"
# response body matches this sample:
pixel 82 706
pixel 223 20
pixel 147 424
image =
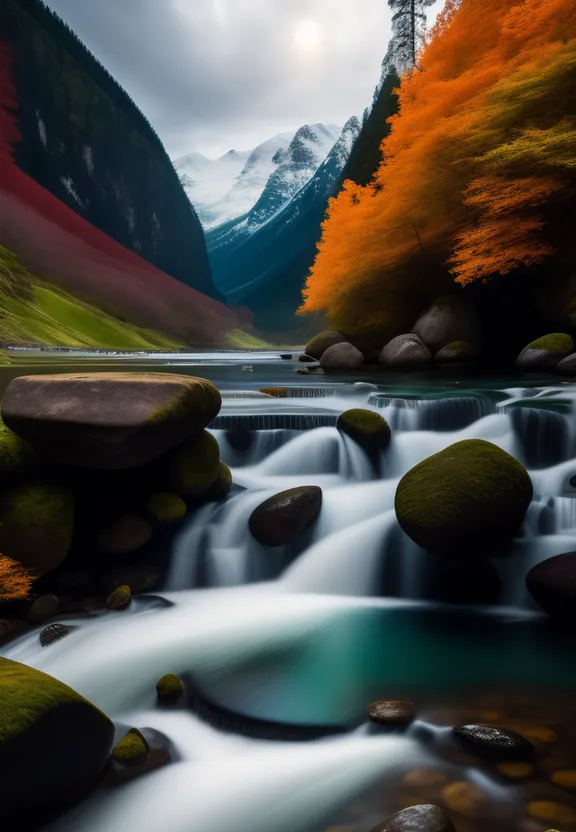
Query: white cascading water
pixel 280 634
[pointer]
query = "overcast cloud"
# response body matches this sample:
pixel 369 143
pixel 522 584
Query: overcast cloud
pixel 212 75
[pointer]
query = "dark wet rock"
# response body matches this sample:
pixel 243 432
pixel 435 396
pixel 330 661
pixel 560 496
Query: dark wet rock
pixel 552 584
pixel 318 345
pixel 165 507
pixel 158 754
pixel 39 716
pixel 140 578
pixel 493 743
pixel 108 420
pixel 53 633
pixel 466 500
pixel 342 357
pixel 306 359
pixel 448 319
pixel 193 467
pixel 16 455
pixel 567 366
pixel 545 352
pixel 36 524
pixel 457 352
pixel 370 430
pixel 43 608
pixel 125 535
pixel 405 352
pixel 425 818
pixel 286 356
pixel 285 516
pixel 391 712
pixel 169 689
pixel 10 629
pixel 222 484
pixel 132 750
pixel 119 599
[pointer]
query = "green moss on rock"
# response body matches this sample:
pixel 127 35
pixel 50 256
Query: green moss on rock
pixel 194 466
pixel 169 689
pixel 558 343
pixel 222 485
pixel 132 750
pixel 275 392
pixel 370 430
pixel 36 524
pixel 119 598
pixel 195 394
pixel 16 456
pixel 468 499
pixel 166 507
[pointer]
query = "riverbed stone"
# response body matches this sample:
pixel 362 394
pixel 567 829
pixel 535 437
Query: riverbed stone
pixel 284 517
pixel 158 754
pixel 391 712
pixel 165 507
pixel 43 608
pixel 342 357
pixel 546 351
pixel 493 743
pixel 567 366
pixel 457 352
pixel 125 535
pixel 368 429
pixel 169 689
pixel 222 485
pixel 424 818
pixel 405 352
pixel 469 499
pixel 52 740
pixel 448 319
pixel 552 584
pixel 108 420
pixel 132 749
pixel 36 524
pixel 119 599
pixel 193 467
pixel 318 345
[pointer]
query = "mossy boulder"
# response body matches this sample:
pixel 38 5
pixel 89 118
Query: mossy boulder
pixel 132 750
pixel 108 420
pixel 169 689
pixel 448 319
pixel 318 345
pixel 194 466
pixel 36 524
pixel 52 741
pixel 119 598
pixel 166 507
pixel 546 351
pixel 370 430
pixel 16 455
pixel 457 352
pixel 468 499
pixel 222 485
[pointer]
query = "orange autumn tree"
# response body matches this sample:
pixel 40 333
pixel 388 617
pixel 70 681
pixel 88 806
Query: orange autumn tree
pixel 478 174
pixel 15 580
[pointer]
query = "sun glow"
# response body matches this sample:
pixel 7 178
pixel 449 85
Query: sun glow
pixel 308 35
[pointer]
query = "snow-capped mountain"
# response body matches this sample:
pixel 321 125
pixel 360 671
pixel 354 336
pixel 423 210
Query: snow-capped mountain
pixel 208 181
pixel 261 259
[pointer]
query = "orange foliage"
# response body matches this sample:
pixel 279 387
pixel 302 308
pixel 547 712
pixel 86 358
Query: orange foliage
pixel 481 154
pixel 15 580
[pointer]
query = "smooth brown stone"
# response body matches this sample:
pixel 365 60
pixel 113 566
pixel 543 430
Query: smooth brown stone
pixel 391 712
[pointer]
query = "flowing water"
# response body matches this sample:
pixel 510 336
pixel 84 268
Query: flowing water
pixel 287 647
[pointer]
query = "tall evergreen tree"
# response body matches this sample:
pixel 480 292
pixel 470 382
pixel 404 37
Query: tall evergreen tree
pixel 408 30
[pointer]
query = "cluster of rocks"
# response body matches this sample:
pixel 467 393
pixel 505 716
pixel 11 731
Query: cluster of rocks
pixel 448 333
pixel 555 351
pixel 93 467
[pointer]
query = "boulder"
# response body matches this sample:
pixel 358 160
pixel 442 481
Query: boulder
pixel 552 584
pixel 222 485
pixel 52 741
pixel 125 535
pixel 108 420
pixel 320 343
pixel 166 507
pixel 342 357
pixel 457 352
pixel 132 750
pixel 450 318
pixel 36 524
pixel 468 499
pixel 119 599
pixel 545 352
pixel 16 455
pixel 158 753
pixel 43 608
pixel 370 430
pixel 493 743
pixel 306 359
pixel 391 712
pixel 169 689
pixel 405 352
pixel 193 467
pixel 425 818
pixel 285 516
pixel 567 366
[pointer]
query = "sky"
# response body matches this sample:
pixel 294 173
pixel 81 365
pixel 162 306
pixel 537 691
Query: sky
pixel 212 75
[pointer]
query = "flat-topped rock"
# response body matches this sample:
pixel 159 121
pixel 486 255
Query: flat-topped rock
pixel 424 818
pixel 108 420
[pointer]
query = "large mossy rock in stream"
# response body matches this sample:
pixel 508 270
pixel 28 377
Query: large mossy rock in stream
pixel 448 319
pixel 36 524
pixel 317 346
pixel 108 420
pixel 368 429
pixel 468 499
pixel 52 742
pixel 545 352
pixel 284 517
pixel 221 486
pixel 425 818
pixel 194 466
pixel 405 352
